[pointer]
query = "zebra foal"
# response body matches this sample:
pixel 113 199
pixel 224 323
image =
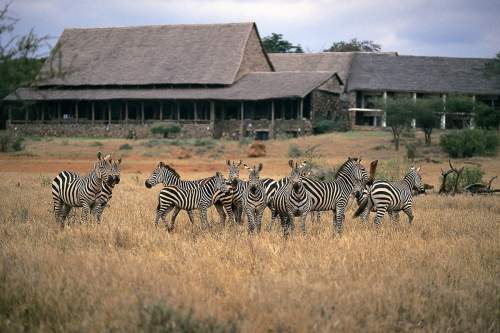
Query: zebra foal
pixel 391 197
pixel 70 190
pixel 106 193
pixel 254 198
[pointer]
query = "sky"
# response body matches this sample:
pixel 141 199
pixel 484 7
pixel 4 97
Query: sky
pixel 456 28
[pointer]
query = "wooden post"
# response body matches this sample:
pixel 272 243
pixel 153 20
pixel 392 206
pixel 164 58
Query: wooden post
pixel 42 114
pixel 384 115
pixel 126 112
pixel 272 121
pixel 109 113
pixel 301 108
pixel 59 112
pixel 161 111
pixel 443 116
pixel 195 112
pixel 142 112
pixel 178 110
pixel 76 111
pixel 92 106
pixel 413 120
pixel 26 114
pixel 212 113
pixel 242 119
pixel 9 115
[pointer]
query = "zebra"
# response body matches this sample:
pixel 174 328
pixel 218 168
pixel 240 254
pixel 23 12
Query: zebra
pixel 233 199
pixel 107 190
pixel 392 197
pixel 201 197
pixel 72 190
pixel 254 198
pixel 292 199
pixel 167 175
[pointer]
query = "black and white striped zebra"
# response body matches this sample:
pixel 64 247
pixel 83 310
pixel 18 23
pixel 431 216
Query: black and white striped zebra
pixel 291 200
pixel 391 197
pixel 69 189
pixel 233 199
pixel 106 193
pixel 167 175
pixel 254 198
pixel 201 197
pixel 334 195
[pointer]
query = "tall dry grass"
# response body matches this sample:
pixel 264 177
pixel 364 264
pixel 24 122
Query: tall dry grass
pixel 440 274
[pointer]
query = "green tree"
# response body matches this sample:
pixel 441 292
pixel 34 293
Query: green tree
pixel 276 44
pixel 427 115
pixel 399 113
pixel 493 66
pixel 354 45
pixel 486 117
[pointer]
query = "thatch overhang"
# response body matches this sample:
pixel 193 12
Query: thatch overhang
pixel 380 72
pixel 252 87
pixel 147 55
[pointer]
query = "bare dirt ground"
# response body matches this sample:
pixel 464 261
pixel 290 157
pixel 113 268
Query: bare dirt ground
pixel 440 274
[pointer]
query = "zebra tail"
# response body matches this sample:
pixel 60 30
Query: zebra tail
pixel 363 205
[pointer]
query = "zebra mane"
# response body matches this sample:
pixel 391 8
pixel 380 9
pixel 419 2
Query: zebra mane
pixel 168 167
pixel 343 166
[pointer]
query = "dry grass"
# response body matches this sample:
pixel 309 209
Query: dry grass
pixel 440 274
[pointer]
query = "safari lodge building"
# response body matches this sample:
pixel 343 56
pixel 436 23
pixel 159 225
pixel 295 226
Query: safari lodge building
pixel 216 80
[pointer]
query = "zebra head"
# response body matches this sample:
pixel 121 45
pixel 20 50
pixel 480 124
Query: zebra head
pixel 355 171
pixel 220 183
pixel 114 175
pixel 234 172
pixel 296 175
pixel 254 182
pixel 102 168
pixel 162 174
pixel 414 179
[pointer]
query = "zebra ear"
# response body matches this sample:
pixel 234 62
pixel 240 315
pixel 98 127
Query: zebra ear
pixel 259 167
pixel 120 160
pixel 247 167
pixel 418 169
pixel 99 155
pixel 240 162
pixel 290 163
pixel 107 157
pixel 228 162
pixel 161 165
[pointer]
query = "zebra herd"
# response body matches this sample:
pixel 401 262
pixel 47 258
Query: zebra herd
pixel 293 196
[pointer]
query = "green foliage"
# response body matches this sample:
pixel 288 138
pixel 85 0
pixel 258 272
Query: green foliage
pixel 165 130
pixel 392 170
pixel 161 318
pixel 399 113
pixel 354 45
pixel 96 144
pixel 294 151
pixel 486 117
pixel 131 135
pixel 341 124
pixel 459 104
pixel 470 142
pixel 9 142
pixel 411 150
pixel 427 115
pixel 126 146
pixel 204 142
pixel 493 66
pixel 276 44
pixel 470 175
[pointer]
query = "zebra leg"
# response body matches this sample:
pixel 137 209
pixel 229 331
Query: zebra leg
pixel 285 225
pixel 173 218
pixel 258 218
pixel 379 214
pixel 364 215
pixel 191 216
pixel 58 211
pixel 222 214
pixel 274 215
pixel 85 212
pixel 229 210
pixel 339 219
pixel 303 218
pixel 161 213
pixel 251 219
pixel 394 216
pixel 239 213
pixel 409 212
pixel 203 215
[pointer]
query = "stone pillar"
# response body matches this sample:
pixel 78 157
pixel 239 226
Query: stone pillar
pixel 9 115
pixel 443 116
pixel 383 121
pixel 126 112
pixel 26 114
pixel 42 114
pixel 59 112
pixel 195 110
pixel 272 131
pixel 375 121
pixel 76 111
pixel 92 106
pixel 242 119
pixel 212 113
pixel 301 108
pixel 178 110
pixel 161 111
pixel 142 112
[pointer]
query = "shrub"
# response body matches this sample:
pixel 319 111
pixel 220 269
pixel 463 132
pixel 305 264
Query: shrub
pixel 166 130
pixel 209 143
pixel 131 135
pixel 486 117
pixel 9 142
pixel 470 175
pixel 341 124
pixel 411 150
pixel 294 151
pixel 125 147
pixel 470 142
pixel 96 144
pixel 257 149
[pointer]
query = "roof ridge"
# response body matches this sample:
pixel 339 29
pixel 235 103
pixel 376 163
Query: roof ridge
pixel 160 26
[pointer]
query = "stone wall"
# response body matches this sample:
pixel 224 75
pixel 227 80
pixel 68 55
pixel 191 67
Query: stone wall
pixel 325 105
pixel 190 130
pixel 231 128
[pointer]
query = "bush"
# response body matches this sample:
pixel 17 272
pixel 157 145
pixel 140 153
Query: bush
pixel 469 143
pixel 96 144
pixel 166 130
pixel 294 151
pixel 341 124
pixel 131 135
pixel 486 117
pixel 470 175
pixel 209 143
pixel 9 142
pixel 411 151
pixel 125 147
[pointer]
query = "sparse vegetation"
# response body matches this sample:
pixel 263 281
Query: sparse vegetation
pixel 341 124
pixel 470 175
pixel 294 151
pixel 166 130
pixel 9 142
pixel 126 146
pixel 469 143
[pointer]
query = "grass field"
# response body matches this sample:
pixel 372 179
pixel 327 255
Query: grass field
pixel 440 274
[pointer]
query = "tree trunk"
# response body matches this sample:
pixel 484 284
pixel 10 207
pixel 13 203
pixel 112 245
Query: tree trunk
pixel 428 136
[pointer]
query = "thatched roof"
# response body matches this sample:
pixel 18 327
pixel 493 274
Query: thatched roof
pixel 253 86
pixel 166 54
pixel 371 71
